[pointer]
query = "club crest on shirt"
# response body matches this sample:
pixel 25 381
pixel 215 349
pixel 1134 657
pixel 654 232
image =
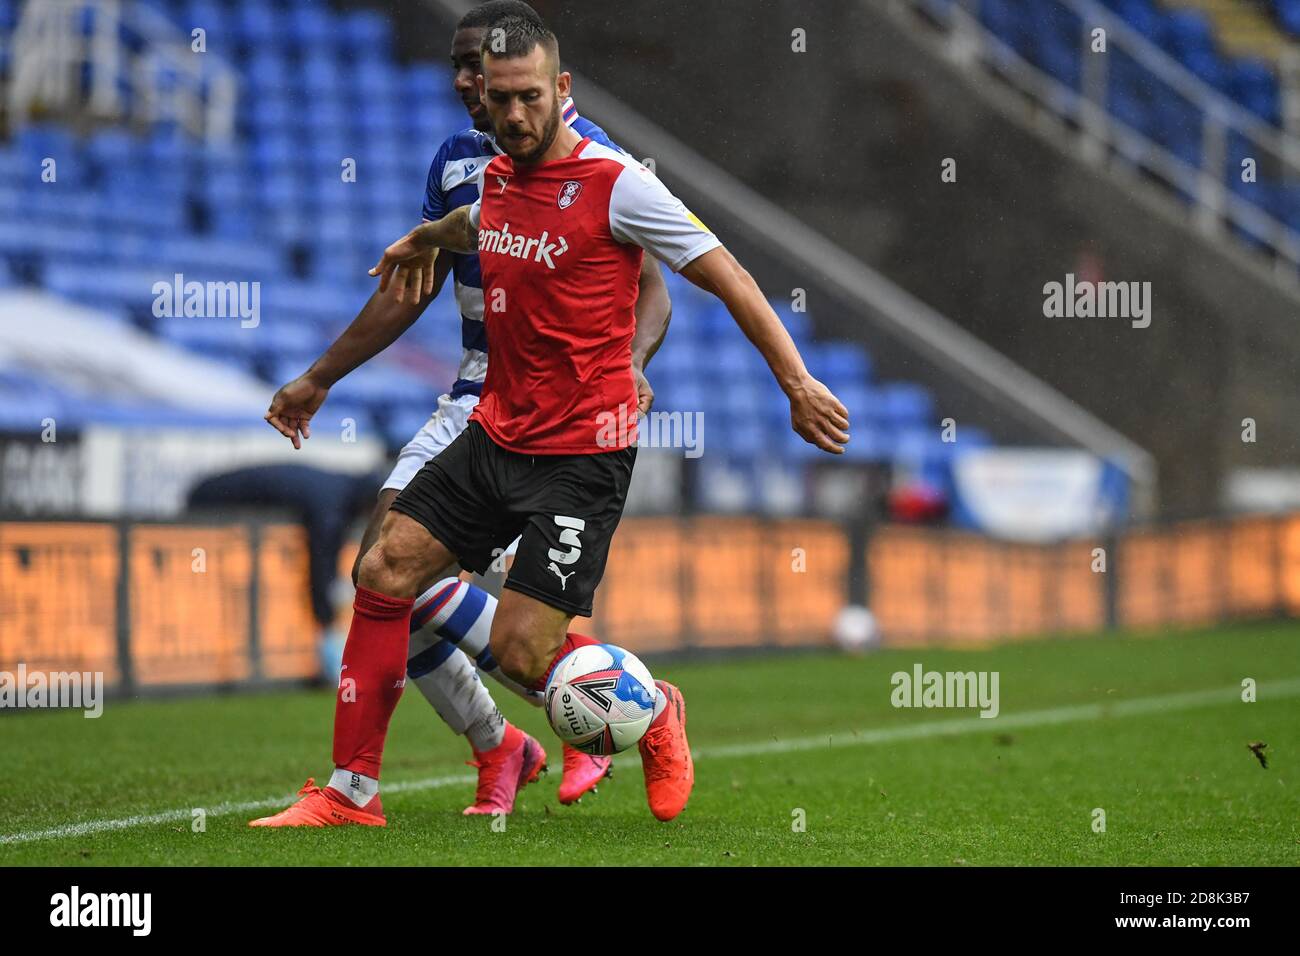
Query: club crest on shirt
pixel 568 194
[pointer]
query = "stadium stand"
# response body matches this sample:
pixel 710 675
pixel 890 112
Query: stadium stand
pixel 1233 48
pixel 132 207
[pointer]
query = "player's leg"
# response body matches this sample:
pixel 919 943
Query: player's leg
pixel 447 680
pixel 574 512
pixel 445 647
pixel 530 636
pixel 371 534
pixel 376 654
pixel 466 632
pixel 455 613
pixel 444 623
pixel 440 516
pixel 374 673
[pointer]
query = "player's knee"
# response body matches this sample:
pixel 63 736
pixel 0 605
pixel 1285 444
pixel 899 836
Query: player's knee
pixel 389 571
pixel 519 653
pixel 520 663
pixel 372 532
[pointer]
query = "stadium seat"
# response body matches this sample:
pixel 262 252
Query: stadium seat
pixel 905 404
pixel 1288 15
pixel 1253 85
pixel 1186 32
pixel 366 34
pixel 321 86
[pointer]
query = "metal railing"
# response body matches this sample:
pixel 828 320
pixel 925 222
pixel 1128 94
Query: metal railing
pixel 1229 134
pixel 115 60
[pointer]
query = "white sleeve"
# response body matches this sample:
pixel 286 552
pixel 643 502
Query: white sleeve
pixel 642 211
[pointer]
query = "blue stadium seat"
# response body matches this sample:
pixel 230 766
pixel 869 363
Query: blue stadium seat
pixel 375 82
pixel 320 86
pixel 905 404
pixel 38 143
pixel 1062 61
pixel 1288 15
pixel 1186 32
pixel 1142 15
pixel 213 337
pixel 321 76
pixel 258 24
pixel 312 27
pixel 214 19
pixel 367 35
pixel 1007 19
pixel 739 437
pixel 861 404
pixel 1253 85
pixel 845 364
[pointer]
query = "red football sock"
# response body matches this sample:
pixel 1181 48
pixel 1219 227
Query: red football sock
pixel 571 642
pixel 374 673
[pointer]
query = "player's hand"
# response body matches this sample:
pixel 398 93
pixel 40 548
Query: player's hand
pixel 293 406
pixel 645 395
pixel 407 265
pixel 819 416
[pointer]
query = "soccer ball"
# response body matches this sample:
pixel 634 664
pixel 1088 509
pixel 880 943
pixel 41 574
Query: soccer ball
pixel 855 629
pixel 600 699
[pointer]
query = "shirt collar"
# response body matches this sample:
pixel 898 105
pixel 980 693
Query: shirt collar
pixel 569 111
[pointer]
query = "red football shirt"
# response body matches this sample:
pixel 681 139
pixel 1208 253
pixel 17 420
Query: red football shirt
pixel 560 247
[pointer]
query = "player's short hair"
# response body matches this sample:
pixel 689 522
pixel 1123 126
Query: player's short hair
pixel 486 14
pixel 514 36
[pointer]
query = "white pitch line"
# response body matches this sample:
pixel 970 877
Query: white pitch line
pixel 932 728
pixel 220 810
pixel 1030 718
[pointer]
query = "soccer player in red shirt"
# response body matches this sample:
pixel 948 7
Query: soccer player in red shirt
pixel 452 619
pixel 560 231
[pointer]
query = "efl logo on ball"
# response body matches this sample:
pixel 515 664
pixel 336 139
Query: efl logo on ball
pixel 600 699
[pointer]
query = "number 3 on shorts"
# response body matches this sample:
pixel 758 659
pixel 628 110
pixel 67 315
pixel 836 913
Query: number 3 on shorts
pixel 570 529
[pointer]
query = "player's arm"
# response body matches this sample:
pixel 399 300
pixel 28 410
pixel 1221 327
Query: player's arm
pixel 405 263
pixel 654 310
pixel 379 324
pixel 815 412
pixel 643 211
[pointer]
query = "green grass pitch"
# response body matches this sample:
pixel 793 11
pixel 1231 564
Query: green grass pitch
pixel 1151 730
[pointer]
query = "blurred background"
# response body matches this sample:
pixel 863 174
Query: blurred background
pixel 191 193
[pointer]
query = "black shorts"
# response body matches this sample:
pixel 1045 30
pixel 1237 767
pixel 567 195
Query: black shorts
pixel 477 497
